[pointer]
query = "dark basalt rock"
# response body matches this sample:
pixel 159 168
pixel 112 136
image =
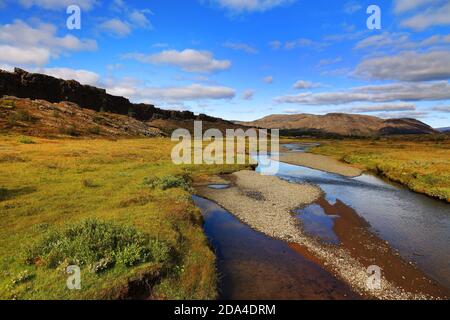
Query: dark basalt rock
pixel 23 84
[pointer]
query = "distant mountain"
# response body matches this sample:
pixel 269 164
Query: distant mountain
pixel 446 129
pixel 340 124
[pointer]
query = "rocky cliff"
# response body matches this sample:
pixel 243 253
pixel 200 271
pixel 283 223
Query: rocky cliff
pixel 22 84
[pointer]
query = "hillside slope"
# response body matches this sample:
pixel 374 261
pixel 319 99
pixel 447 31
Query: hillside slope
pixel 43 118
pixel 341 124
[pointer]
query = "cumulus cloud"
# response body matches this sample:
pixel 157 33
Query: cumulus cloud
pixel 35 45
pixel 400 41
pixel 433 15
pixel 351 7
pixel 421 91
pixel 241 6
pixel 193 92
pixel 18 56
pixel 247 94
pixel 327 62
pixel 189 60
pixel 130 19
pixel 268 79
pixel 302 84
pixel 240 46
pixel 402 6
pixel 116 27
pixel 407 66
pixel 275 44
pixel 80 75
pixel 296 43
pixel 58 4
pixel 445 109
pixel 381 108
pixel 408 114
pixel 138 18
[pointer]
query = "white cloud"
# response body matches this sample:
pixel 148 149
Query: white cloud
pixel 402 6
pixel 193 92
pixel 247 94
pixel 189 60
pixel 302 84
pixel 407 114
pixel 400 41
pixel 445 109
pixel 18 56
pixel 240 6
pixel 58 4
pixel 25 44
pixel 326 62
pixel 432 16
pixel 240 46
pixel 82 76
pixel 268 79
pixel 407 66
pixel 378 108
pixel 139 19
pixel 302 43
pixel 116 27
pixel 352 7
pixel 275 44
pixel 422 91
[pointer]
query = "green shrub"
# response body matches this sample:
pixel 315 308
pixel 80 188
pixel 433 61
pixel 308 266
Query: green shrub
pixel 89 183
pixel 94 130
pixel 70 131
pixel 3 194
pixel 169 182
pixel 21 116
pixel 22 277
pixel 96 244
pixel 26 140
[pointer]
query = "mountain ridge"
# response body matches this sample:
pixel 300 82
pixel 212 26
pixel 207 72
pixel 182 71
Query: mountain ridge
pixel 342 124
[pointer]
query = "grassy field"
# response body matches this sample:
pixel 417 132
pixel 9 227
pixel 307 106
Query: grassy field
pixel 120 209
pixel 422 164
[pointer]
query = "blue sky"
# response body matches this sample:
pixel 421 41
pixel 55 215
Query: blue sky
pixel 244 59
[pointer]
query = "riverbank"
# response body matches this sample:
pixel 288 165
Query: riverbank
pixel 266 205
pixel 419 163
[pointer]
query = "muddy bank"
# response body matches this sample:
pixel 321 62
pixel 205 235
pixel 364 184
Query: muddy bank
pixel 319 162
pixel 266 204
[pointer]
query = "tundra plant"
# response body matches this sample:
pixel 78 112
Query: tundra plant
pixel 191 150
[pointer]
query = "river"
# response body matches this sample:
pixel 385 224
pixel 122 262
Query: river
pixel 254 266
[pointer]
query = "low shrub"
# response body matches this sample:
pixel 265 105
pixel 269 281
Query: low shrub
pixel 3 194
pixel 94 130
pixel 22 277
pixel 169 182
pixel 70 131
pixel 98 245
pixel 26 140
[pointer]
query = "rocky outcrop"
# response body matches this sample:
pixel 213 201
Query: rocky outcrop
pixel 22 84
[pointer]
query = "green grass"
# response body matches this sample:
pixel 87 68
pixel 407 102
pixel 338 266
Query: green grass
pixel 422 164
pixel 50 189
